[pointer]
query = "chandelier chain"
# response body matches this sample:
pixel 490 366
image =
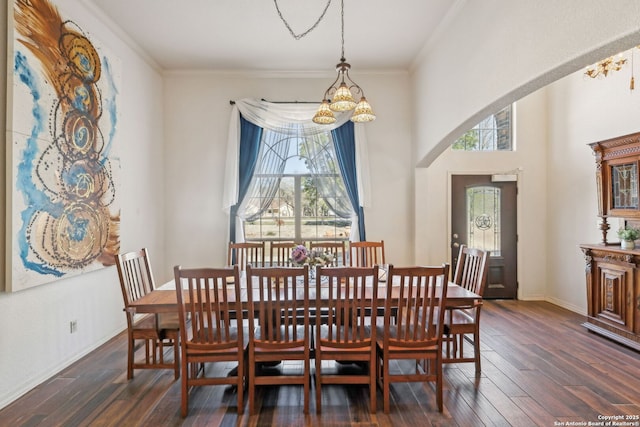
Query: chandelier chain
pixel 342 26
pixel 301 35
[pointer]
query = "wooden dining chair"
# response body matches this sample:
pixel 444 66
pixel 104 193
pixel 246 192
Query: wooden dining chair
pixel 348 334
pixel 462 323
pixel 245 253
pixel 337 249
pixel 282 331
pixel 280 254
pixel 211 328
pixel 366 253
pixel 156 331
pixel 416 334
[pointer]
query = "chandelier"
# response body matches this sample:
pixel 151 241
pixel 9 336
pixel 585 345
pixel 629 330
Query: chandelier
pixel 604 67
pixel 339 98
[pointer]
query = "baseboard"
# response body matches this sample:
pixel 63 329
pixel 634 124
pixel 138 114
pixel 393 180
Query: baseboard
pixel 566 305
pixel 531 297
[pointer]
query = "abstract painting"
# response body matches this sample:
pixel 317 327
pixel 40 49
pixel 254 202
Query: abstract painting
pixel 62 116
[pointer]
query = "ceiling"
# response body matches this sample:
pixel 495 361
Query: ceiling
pixel 380 35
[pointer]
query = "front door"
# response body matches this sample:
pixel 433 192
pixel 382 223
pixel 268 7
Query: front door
pixel 483 216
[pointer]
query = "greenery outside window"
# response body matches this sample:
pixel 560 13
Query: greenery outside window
pixel 492 134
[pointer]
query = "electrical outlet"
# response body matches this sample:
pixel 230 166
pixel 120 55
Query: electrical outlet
pixel 73 326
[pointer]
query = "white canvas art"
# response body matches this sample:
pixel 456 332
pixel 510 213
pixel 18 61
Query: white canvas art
pixel 62 119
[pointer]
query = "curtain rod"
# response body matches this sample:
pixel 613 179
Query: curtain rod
pixel 232 102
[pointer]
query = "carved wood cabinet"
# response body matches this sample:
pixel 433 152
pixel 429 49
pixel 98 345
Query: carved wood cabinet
pixel 613 273
pixel 613 293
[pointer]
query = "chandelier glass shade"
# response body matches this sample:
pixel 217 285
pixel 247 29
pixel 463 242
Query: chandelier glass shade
pixel 340 98
pixel 363 112
pixel 324 115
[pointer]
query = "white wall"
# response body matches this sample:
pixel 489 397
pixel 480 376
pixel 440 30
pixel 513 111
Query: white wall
pixel 433 199
pixel 35 341
pixel 196 126
pixel 580 111
pixel 494 52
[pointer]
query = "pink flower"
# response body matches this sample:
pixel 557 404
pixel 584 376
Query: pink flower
pixel 299 254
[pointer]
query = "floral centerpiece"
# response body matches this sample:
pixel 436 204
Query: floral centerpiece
pixel 300 256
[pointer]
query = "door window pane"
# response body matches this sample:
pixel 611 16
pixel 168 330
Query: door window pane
pixel 483 213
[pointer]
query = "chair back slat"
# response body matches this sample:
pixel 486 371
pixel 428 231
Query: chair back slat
pixel 215 314
pixel 366 253
pixel 471 269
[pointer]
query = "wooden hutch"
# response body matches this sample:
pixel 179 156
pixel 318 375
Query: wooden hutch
pixel 613 273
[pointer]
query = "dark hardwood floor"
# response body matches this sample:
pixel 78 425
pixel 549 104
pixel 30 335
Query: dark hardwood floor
pixel 540 367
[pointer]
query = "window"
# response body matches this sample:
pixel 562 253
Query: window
pixel 297 192
pixel 293 179
pixel 492 134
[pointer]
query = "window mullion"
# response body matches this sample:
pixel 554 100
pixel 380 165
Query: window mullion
pixel 298 203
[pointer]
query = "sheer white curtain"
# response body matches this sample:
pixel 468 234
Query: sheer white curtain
pixel 322 162
pixel 279 118
pixel 272 159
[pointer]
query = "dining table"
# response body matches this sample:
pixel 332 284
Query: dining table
pixel 164 300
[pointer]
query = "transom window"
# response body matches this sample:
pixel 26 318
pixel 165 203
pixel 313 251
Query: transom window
pixel 492 134
pixel 297 192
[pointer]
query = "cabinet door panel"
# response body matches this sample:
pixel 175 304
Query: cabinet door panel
pixel 613 285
